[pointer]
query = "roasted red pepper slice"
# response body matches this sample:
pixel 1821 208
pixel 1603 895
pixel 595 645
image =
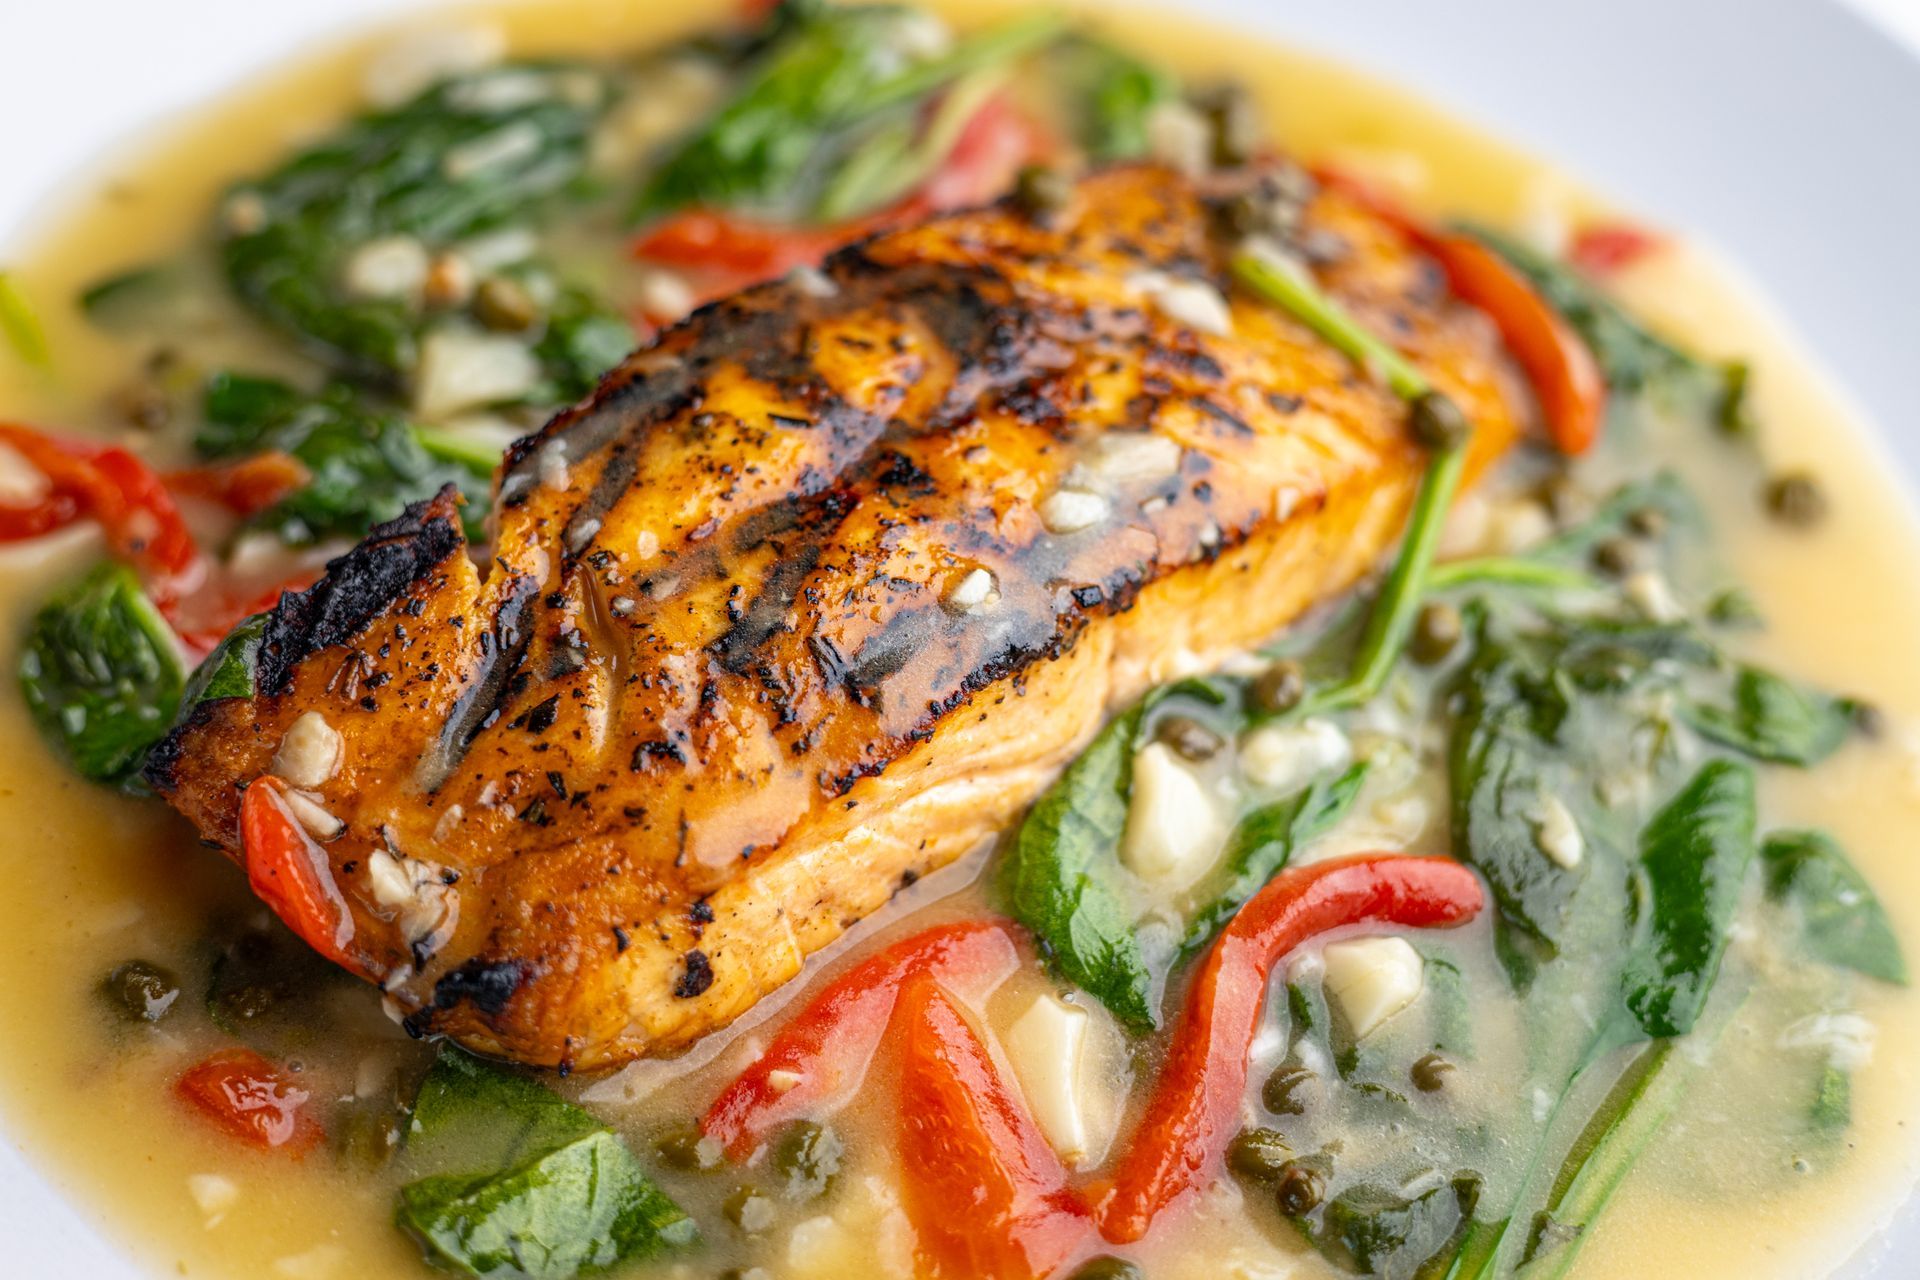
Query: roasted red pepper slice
pixel 1565 377
pixel 124 494
pixel 291 873
pixel 1196 1104
pixel 246 487
pixel 1610 247
pixel 251 1099
pixel 820 1057
pixel 985 1193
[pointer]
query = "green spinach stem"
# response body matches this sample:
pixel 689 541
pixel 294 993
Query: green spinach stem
pixel 1001 43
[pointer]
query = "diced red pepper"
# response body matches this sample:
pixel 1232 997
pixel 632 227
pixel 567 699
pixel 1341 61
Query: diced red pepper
pixel 1196 1104
pixel 249 1098
pixel 986 1195
pixel 1565 376
pixel 291 873
pixel 112 486
pixel 246 487
pixel 1610 247
pixel 820 1056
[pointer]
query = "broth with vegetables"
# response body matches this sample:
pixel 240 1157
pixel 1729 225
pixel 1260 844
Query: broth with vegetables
pixel 1535 908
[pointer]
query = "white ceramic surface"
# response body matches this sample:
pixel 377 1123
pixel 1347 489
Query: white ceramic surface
pixel 1779 129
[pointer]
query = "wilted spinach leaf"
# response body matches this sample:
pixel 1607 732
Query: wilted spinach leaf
pixel 1841 919
pixel 101 673
pixel 470 155
pixel 366 465
pixel 1775 719
pixel 1110 95
pixel 1371 1230
pixel 560 1194
pixel 1694 856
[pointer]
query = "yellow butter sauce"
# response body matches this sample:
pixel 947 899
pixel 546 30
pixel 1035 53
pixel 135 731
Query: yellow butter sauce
pixel 94 878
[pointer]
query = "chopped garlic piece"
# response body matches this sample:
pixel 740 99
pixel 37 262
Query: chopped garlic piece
pixel 311 814
pixel 973 591
pixel 1556 834
pixel 322 1262
pixel 461 369
pixel 1047 1045
pixel 390 267
pixel 214 1194
pixel 1648 592
pixel 505 146
pixel 1193 303
pixel 311 751
pixel 1372 979
pixel 1071 510
pixel 21 483
pixel 781 1080
pixel 1173 833
pixel 1117 457
pixel 1179 136
pixel 664 295
pixel 1287 756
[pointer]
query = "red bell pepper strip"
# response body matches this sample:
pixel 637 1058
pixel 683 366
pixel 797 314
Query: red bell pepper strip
pixel 1565 377
pixel 1610 247
pixel 112 486
pixel 246 487
pixel 291 873
pixel 820 1056
pixel 1196 1104
pixel 249 1098
pixel 986 1195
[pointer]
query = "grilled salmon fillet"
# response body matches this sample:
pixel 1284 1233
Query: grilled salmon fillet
pixel 812 597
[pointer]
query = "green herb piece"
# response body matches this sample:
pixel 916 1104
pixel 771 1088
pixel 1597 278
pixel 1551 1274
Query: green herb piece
pixel 1607 1146
pixel 1694 856
pixel 1841 919
pixel 473 154
pixel 1265 839
pixel 366 466
pixel 1633 360
pixel 1832 1109
pixel 826 75
pixel 1111 95
pixel 1504 761
pixel 900 157
pixel 1060 875
pixel 1370 1230
pixel 130 299
pixel 102 673
pixel 1289 286
pixel 817 72
pixel 1480 573
pixel 21 324
pixel 564 1195
pixel 1775 719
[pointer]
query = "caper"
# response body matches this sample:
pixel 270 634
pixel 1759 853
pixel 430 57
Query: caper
pixel 504 305
pixel 1616 557
pixel 144 404
pixel 1280 687
pixel 1301 1189
pixel 1287 1090
pixel 1189 739
pixel 1795 498
pixel 1436 632
pixel 1258 1155
pixel 750 1211
pixel 1430 1073
pixel 1647 522
pixel 809 1155
pixel 1869 719
pixel 1040 190
pixel 1107 1267
pixel 682 1148
pixel 1562 496
pixel 1234 118
pixel 366 1132
pixel 142 991
pixel 1436 421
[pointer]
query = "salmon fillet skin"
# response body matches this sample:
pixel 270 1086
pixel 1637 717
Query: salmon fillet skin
pixel 813 596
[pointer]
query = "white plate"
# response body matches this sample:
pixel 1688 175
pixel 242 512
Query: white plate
pixel 1780 129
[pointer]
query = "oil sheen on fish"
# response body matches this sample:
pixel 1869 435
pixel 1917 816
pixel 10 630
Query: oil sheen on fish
pixel 814 595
